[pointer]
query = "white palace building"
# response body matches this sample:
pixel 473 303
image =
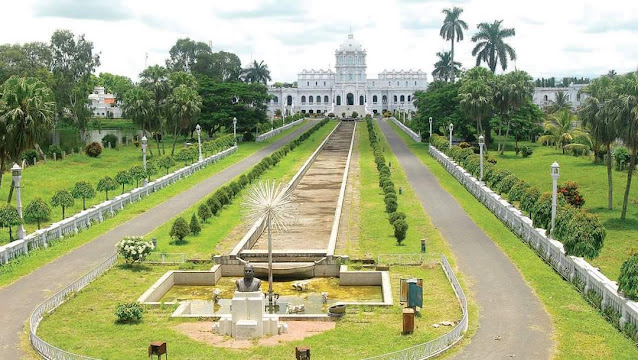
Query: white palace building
pixel 348 89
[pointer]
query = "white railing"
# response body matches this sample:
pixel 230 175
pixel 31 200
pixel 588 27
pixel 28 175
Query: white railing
pixel 84 219
pixel 46 350
pixel 276 131
pixel 416 137
pixel 439 345
pixel 574 269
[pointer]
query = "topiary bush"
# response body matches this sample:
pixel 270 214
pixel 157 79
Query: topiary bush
pixel 526 151
pixel 109 139
pixel 129 312
pixel 194 226
pixel 628 280
pixel 506 184
pixel 564 215
pixel 203 211
pixel 498 176
pixel 396 216
pixel 400 230
pixel 214 204
pixel 134 249
pixel 542 211
pixel 530 196
pixel 180 230
pixel 29 156
pixel 93 149
pixel 571 194
pixel 517 190
pixel 54 149
pixel 464 145
pixel 390 205
pixel 585 237
pixel 355 114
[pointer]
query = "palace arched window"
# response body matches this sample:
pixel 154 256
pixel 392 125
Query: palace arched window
pixel 303 99
pixel 318 99
pixel 275 99
pixel 310 99
pixel 326 99
pixel 361 100
pixel 350 99
pixel 374 99
pixel 289 100
pixel 409 98
pixel 395 99
pixel 402 99
pixel 338 99
pixel 384 99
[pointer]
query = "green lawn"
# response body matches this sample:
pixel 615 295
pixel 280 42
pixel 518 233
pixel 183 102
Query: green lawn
pixel 622 235
pixel 581 332
pixel 26 264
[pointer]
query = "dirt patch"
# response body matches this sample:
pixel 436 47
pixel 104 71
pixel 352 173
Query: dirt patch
pixel 297 330
pixel 348 236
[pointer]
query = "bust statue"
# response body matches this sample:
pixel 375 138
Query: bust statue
pixel 249 282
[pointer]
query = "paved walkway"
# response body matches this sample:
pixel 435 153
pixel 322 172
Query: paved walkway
pixel 20 298
pixel 513 323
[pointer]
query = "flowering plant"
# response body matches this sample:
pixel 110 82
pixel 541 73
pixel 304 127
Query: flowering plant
pixel 134 248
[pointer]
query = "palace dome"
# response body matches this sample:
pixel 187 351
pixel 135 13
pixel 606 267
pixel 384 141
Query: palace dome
pixel 350 44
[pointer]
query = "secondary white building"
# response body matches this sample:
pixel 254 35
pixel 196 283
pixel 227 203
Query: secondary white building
pixel 545 96
pixel 104 105
pixel 347 89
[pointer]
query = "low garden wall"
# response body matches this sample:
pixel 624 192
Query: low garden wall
pixel 84 219
pixel 276 131
pixel 416 137
pixel 588 279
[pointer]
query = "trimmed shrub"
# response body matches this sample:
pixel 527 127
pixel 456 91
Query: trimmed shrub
pixel 387 183
pixel 542 212
pixel 621 156
pixel 194 226
pixel 498 176
pixel 57 150
pixel 389 189
pixel 179 230
pixel 166 162
pixel 109 139
pixel 83 190
pixel 400 230
pixel 129 312
pixel 62 198
pixel 464 145
pixel 390 196
pixel 137 173
pixel 391 205
pixel 506 184
pixel 29 155
pixel 517 191
pixel 628 280
pixel 355 114
pixel 396 216
pixel 214 204
pixel 564 215
pixel 222 196
pixel 526 151
pixel 530 196
pixel 203 211
pixel 585 237
pixel 571 194
pixel 37 211
pixel 134 249
pixel 93 149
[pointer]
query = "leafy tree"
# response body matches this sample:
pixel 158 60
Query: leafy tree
pixel 561 103
pixel 529 198
pixel 184 105
pixel 257 72
pixel 37 211
pixel 179 230
pixel 155 79
pixel 83 190
pixel 178 78
pixel 586 235
pixel 214 204
pixel 138 106
pixel 204 212
pixel 513 90
pixel 62 198
pixel 220 66
pixel 107 184
pixel 194 226
pixel 526 122
pixel 123 178
pixel 184 54
pixel 9 218
pixel 400 230
pixel 441 102
pixel 628 279
pixel 166 162
pixel 542 211
pixel 137 173
pixel 442 67
pixel 31 59
pixel 477 93
pixel 115 84
pixel 452 30
pixel 491 47
pixel 150 170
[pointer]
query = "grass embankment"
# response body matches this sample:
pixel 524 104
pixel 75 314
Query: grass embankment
pixel 622 235
pixel 112 124
pixel 25 264
pixel 581 332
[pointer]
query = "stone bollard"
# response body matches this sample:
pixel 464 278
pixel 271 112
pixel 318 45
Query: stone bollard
pixel 24 163
pixel 63 154
pixel 35 160
pixel 55 156
pixel 45 157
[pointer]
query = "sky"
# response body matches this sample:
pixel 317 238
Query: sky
pixel 553 38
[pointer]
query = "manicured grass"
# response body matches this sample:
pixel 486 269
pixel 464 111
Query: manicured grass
pixel 622 235
pixel 26 264
pixel 581 332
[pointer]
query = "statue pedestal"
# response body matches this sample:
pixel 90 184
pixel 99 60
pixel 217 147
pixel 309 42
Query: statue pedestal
pixel 247 319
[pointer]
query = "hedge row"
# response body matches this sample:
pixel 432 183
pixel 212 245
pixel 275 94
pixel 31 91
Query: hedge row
pixel 581 233
pixel 397 219
pixel 227 193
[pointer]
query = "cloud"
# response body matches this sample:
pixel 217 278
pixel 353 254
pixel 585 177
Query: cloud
pixel 83 10
pixel 417 24
pixel 577 49
pixel 288 9
pixel 610 26
pixel 530 21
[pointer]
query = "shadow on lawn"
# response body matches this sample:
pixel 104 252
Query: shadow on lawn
pixel 618 224
pixel 135 267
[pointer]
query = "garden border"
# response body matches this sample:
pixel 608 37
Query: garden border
pixel 276 131
pixel 416 137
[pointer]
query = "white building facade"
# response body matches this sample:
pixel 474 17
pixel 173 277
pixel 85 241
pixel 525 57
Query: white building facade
pixel 545 96
pixel 347 89
pixel 104 105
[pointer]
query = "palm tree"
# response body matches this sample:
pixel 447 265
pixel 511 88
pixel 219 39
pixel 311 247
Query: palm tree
pixel 257 72
pixel 27 111
pixel 625 111
pixel 491 46
pixel 562 131
pixel 138 106
pixel 560 103
pixel 183 104
pixel 514 90
pixel 155 79
pixel 595 113
pixel 443 67
pixel 452 30
pixel 476 93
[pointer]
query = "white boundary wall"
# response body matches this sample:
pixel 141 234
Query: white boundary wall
pixel 574 269
pixel 97 213
pixel 276 131
pixel 416 137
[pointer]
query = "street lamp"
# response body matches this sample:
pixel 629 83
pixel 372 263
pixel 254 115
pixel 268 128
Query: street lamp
pixel 481 143
pixel 555 171
pixel 235 129
pixel 16 172
pixel 198 129
pixel 451 128
pixel 430 127
pixel 144 143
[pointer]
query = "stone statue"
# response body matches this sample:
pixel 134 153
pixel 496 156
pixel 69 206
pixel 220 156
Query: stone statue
pixel 249 282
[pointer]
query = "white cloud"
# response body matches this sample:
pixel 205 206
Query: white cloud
pixel 553 38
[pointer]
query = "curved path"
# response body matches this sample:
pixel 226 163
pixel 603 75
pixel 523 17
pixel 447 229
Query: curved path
pixel 512 323
pixel 20 298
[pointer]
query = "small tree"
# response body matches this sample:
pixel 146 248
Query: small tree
pixel 214 204
pixel 585 237
pixel 396 216
pixel 83 190
pixel 542 210
pixel 390 205
pixel 134 248
pixel 123 178
pixel 571 194
pixel 166 162
pixel 517 191
pixel 628 280
pixel 180 229
pixel 194 225
pixel 93 149
pixel 62 198
pixel 37 211
pixel 9 218
pixel 137 173
pixel 530 196
pixel 203 211
pixel 150 170
pixel 106 184
pixel 129 312
pixel 400 230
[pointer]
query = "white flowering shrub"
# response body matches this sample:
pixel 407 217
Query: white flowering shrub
pixel 134 248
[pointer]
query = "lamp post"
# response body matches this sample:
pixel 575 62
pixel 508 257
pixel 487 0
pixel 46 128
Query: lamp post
pixel 481 144
pixel 16 172
pixel 555 171
pixel 235 130
pixel 430 127
pixel 451 128
pixel 198 129
pixel 144 143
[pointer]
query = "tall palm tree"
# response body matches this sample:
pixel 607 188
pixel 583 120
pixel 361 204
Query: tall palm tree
pixel 257 72
pixel 138 106
pixel 514 90
pixel 595 114
pixel 625 111
pixel 27 111
pixel 443 67
pixel 491 47
pixel 562 131
pixel 476 93
pixel 184 104
pixel 560 103
pixel 452 30
pixel 155 79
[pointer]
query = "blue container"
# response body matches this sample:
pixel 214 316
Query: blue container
pixel 415 294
